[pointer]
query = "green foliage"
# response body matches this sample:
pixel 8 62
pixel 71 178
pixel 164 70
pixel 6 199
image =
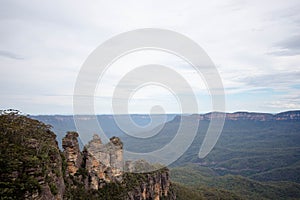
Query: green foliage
pixel 53 189
pixel 209 184
pixel 27 148
pixel 82 172
pixel 184 192
pixel 110 191
pixel 63 163
pixel 132 180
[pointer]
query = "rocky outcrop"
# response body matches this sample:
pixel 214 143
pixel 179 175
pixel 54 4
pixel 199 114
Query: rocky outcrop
pixel 156 186
pixel 33 167
pixel 249 116
pixel 104 162
pixel 72 152
pixel 237 116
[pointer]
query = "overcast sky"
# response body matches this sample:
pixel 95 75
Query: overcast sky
pixel 255 46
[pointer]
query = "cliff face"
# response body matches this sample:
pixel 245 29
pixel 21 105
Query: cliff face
pixel 30 161
pixel 103 167
pixel 72 152
pixel 249 116
pixel 104 162
pixel 156 185
pixel 290 115
pixel 32 166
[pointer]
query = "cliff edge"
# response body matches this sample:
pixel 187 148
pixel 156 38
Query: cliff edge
pixel 33 167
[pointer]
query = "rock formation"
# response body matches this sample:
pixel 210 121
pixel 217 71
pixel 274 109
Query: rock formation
pixel 36 169
pixel 156 185
pixel 104 162
pixel 72 152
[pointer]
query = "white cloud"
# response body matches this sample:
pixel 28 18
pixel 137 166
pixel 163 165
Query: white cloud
pixel 44 43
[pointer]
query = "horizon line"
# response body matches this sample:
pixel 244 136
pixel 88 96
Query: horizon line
pixel 232 112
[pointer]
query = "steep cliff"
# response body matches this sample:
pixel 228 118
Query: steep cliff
pixel 72 152
pixel 101 174
pixel 252 116
pixel 32 166
pixel 104 162
pixel 154 185
pixel 289 115
pixel 30 161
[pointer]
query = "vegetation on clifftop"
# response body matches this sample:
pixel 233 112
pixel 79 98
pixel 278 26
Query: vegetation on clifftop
pixel 28 157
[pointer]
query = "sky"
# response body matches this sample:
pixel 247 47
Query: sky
pixel 255 46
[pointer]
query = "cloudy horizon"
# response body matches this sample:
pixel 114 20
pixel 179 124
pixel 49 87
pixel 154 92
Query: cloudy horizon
pixel 255 46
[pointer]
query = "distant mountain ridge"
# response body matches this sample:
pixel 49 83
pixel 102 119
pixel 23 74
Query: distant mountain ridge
pixel 63 123
pixel 288 115
pixel 143 119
